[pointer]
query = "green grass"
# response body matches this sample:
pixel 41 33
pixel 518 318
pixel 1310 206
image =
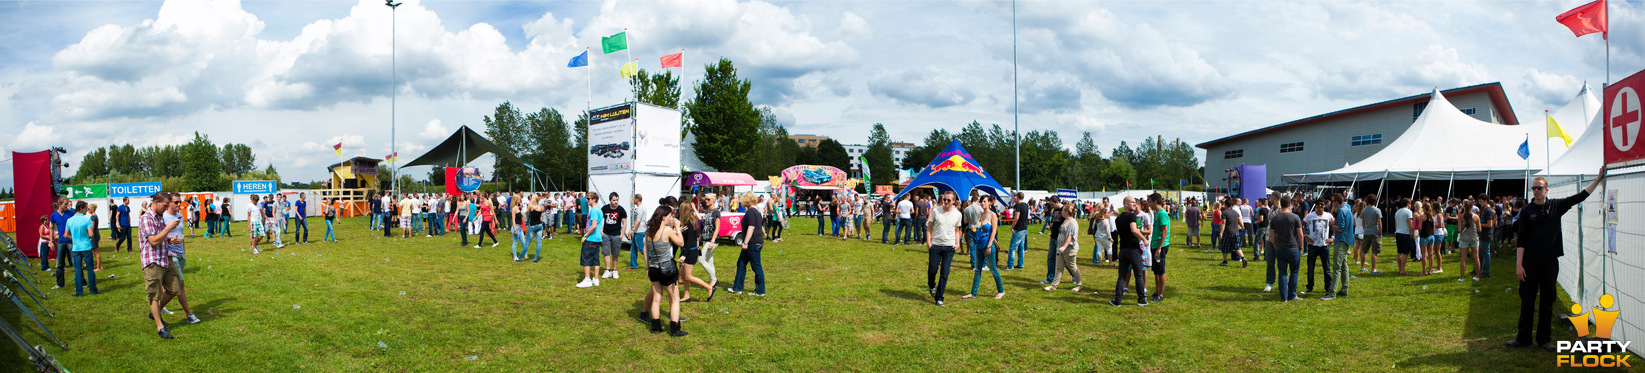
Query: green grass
pixel 833 306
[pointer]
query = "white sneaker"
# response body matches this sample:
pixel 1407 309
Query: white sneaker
pixel 1268 288
pixel 476 246
pixel 254 250
pixel 596 282
pixel 167 311
pixel 493 244
pixel 1476 278
pixel 585 283
pixel 428 235
pixel 614 275
pixel 605 274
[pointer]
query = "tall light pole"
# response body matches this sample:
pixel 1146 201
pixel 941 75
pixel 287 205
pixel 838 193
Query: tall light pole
pixel 1017 145
pixel 393 69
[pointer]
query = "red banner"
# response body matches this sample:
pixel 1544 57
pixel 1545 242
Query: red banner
pixel 882 189
pixel 451 182
pixel 34 197
pixel 1622 115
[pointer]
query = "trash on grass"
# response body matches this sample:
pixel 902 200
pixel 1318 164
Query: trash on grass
pixel 382 345
pixel 296 307
pixel 402 292
pixel 471 358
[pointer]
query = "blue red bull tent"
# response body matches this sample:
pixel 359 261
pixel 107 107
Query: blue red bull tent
pixel 955 171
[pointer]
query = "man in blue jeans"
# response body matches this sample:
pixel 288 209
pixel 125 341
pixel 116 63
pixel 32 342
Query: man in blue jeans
pixel 302 219
pixel 1014 257
pixel 942 236
pixel 1286 240
pixel 905 215
pixel 79 229
pixel 753 227
pixel 1053 219
pixel 122 232
pixel 888 218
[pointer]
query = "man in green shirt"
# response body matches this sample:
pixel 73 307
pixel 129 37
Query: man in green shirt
pixel 1160 243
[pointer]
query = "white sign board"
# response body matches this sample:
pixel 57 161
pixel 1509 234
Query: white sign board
pixel 658 140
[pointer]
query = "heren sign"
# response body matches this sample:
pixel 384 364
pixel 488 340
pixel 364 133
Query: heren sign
pixel 255 187
pixel 1623 117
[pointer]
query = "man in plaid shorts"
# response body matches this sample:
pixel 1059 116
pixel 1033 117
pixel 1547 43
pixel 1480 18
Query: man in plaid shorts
pixel 254 223
pixel 159 278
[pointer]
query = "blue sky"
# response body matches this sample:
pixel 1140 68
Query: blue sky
pixel 292 77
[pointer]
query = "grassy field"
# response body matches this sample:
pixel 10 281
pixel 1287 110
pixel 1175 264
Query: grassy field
pixel 833 306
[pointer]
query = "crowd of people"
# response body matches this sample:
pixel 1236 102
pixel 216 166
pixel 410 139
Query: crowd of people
pixel 672 237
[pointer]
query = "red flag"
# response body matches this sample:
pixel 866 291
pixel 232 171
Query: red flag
pixel 1127 183
pixel 673 60
pixel 1586 19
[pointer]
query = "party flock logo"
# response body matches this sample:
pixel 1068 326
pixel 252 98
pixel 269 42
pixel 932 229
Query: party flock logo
pixel 1599 351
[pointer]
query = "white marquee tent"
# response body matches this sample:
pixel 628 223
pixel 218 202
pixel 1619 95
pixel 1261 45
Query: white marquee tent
pixel 1443 144
pixel 1581 120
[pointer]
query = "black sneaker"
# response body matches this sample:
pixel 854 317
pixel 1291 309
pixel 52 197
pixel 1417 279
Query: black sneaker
pixel 1115 302
pixel 1515 343
pixel 1243 263
pixel 1224 263
pixel 1142 302
pixel 165 334
pixel 1341 294
pixel 1157 298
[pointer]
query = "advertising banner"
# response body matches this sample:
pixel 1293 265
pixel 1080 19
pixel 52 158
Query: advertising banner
pixel 1622 115
pixel 610 137
pixel 1068 194
pixel 658 140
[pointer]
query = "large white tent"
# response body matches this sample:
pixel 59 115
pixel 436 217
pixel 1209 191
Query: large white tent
pixel 1443 144
pixel 1580 119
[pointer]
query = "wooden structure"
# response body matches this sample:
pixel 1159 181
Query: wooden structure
pixel 352 183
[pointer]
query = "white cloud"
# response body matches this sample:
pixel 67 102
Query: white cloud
pixel 1550 90
pixel 36 137
pixel 434 131
pixel 919 87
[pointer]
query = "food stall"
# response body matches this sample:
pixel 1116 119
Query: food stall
pixel 721 183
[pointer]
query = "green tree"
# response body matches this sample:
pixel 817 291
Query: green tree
pixel 1086 170
pixel 1044 161
pixel 123 159
pixel 237 159
pixel 832 153
pixel 656 89
pixel 270 170
pixel 506 128
pixel 1116 174
pixel 550 145
pixel 777 150
pixel 201 165
pixel 437 176
pixel 806 155
pixel 879 156
pixel 578 159
pixel 1003 158
pixel 727 126
pixel 94 165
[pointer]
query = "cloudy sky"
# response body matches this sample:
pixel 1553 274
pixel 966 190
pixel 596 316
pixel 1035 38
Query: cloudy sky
pixel 290 78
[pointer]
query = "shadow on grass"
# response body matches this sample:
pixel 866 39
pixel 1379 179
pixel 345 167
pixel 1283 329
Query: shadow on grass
pixel 1490 322
pixel 906 295
pixel 1238 294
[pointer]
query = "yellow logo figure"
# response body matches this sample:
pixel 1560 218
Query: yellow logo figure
pixel 1603 320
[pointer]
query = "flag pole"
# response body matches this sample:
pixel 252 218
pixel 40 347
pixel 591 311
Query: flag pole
pixel 1527 170
pixel 588 105
pixel 629 52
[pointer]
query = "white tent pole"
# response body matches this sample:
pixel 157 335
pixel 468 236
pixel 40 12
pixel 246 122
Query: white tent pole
pixel 1527 171
pixel 1383 182
pixel 1451 185
pixel 1581 253
pixel 1488 173
pixel 1353 184
pixel 1414 184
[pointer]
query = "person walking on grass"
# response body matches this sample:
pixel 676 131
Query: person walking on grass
pixel 593 243
pixel 1540 244
pixel 1286 239
pixel 1230 232
pixel 408 210
pixel 1370 218
pixel 519 246
pixel 254 223
pixel 535 226
pixel 635 231
pixel 488 221
pixel 80 231
pixel 1317 230
pixel 160 282
pixel 612 230
pixel 212 216
pixel 328 210
pixel 1053 218
pixel 228 217
pixel 1260 230
pixel 752 231
pixel 905 221
pixel 942 234
pixel 300 210
pixel 1467 228
pixel 122 215
pixel 1342 231
pixel 1067 249
pixel 1130 254
pixel 1191 220
pixel 661 269
pixel 179 259
pixel 1160 237
pixel 690 255
pixel 1102 233
pixel 1016 253
pixel 1404 242
pixel 983 248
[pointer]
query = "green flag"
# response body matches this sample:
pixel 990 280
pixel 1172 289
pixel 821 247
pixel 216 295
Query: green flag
pixel 615 43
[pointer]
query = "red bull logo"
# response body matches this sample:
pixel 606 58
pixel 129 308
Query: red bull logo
pixel 957 163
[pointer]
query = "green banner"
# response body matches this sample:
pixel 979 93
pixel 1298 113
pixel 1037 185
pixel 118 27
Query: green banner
pixel 614 43
pixel 88 191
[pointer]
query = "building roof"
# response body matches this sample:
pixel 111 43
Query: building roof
pixel 369 159
pixel 1494 89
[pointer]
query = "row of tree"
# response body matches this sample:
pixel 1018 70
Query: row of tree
pixel 196 166
pixel 734 135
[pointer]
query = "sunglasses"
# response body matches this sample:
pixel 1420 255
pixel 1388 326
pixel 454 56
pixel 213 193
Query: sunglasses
pixel 1538 188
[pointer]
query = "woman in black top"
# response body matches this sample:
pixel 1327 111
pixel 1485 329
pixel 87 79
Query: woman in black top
pixel 691 252
pixel 227 218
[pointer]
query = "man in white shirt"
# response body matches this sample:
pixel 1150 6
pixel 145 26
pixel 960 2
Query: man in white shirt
pixel 254 223
pixel 1247 233
pixel 944 233
pixel 1404 244
pixel 905 216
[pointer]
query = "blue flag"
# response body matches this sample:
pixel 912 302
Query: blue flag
pixel 579 61
pixel 1525 149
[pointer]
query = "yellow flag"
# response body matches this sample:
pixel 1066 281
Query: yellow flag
pixel 1554 130
pixel 631 69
